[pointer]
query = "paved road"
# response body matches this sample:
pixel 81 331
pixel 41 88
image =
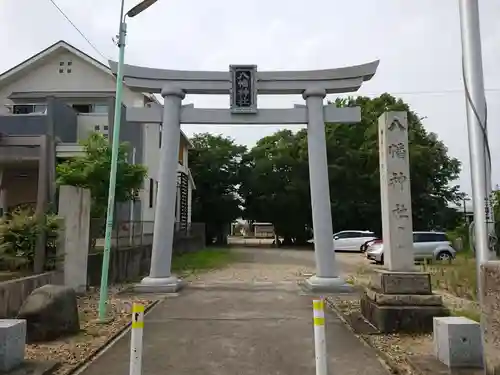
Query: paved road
pixel 249 319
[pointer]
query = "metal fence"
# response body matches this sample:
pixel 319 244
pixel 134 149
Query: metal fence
pixel 124 234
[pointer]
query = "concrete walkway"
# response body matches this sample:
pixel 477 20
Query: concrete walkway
pixel 223 326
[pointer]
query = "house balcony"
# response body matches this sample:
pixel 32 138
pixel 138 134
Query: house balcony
pixel 54 118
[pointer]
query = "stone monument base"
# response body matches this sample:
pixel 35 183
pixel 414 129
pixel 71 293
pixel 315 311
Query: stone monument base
pixel 401 302
pixel 170 284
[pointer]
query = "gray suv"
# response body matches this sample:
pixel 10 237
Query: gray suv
pixel 426 245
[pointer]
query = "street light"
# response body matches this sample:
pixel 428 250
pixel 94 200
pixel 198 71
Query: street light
pixel 122 31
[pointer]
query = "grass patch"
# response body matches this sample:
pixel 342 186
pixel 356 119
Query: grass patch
pixel 204 260
pixel 350 280
pixel 458 277
pixel 472 315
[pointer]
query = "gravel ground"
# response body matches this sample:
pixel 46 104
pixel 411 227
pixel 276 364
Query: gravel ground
pixel 394 349
pixel 262 265
pixel 72 351
pixel 253 265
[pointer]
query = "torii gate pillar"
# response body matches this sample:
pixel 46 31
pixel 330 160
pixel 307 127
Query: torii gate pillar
pixel 326 277
pixel 160 277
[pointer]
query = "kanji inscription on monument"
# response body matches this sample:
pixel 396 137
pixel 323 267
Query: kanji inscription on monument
pixel 243 88
pixel 395 192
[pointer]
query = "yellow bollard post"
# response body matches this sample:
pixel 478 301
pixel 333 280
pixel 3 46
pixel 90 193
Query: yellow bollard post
pixel 136 339
pixel 319 337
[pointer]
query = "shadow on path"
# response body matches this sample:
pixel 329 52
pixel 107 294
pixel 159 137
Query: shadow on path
pixel 219 327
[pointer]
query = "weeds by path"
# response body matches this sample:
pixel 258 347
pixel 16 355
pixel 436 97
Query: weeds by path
pixel 204 260
pixel 458 277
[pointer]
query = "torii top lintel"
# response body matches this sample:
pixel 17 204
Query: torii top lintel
pixel 340 80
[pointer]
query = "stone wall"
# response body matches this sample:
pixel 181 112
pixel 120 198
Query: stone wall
pixel 131 263
pixel 194 241
pixel 14 292
pixel 490 275
pixel 128 264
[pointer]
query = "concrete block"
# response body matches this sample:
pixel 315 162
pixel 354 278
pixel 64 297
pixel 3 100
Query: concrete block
pixel 390 282
pixel 457 342
pixel 490 276
pixel 12 343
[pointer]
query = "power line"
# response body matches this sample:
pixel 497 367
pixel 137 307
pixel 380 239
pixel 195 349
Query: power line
pixel 440 92
pixel 79 31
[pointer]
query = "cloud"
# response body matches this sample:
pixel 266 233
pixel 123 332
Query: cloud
pixel 417 41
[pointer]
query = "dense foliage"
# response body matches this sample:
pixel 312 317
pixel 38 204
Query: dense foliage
pixel 271 181
pixel 91 171
pixel 19 231
pixel 214 162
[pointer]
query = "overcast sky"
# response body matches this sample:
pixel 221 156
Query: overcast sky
pixel 417 41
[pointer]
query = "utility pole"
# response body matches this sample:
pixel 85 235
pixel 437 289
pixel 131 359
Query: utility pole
pixel 479 152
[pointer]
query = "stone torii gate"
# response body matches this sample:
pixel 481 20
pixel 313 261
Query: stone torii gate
pixel 243 83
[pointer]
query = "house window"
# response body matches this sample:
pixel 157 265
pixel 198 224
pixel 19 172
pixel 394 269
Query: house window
pixel 97 128
pixel 90 108
pixel 159 136
pixel 99 108
pixel 105 131
pixel 23 109
pixel 82 108
pixel 62 64
pixel 151 192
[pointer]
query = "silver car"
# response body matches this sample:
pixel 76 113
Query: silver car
pixel 426 245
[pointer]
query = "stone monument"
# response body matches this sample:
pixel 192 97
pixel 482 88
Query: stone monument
pixel 74 209
pixel 398 299
pixel 243 84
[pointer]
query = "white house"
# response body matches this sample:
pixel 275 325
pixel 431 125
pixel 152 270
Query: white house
pixel 61 94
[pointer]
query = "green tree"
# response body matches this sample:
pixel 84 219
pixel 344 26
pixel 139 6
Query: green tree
pixel 353 149
pixel 276 186
pixel 214 163
pixel 91 171
pixel 496 216
pixel 496 203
